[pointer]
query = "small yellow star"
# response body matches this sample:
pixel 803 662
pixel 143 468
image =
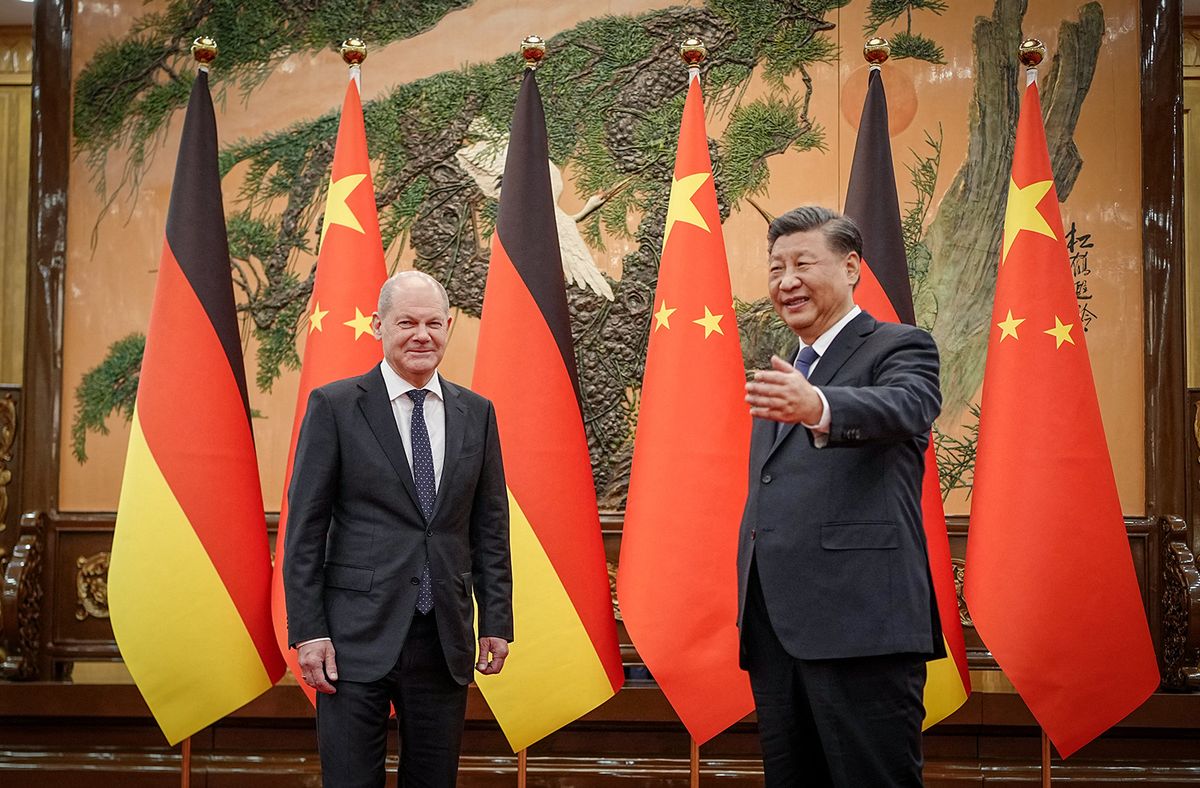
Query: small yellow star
pixel 681 208
pixel 1008 327
pixel 662 318
pixel 314 320
pixel 1022 213
pixel 1060 332
pixel 336 209
pixel 710 322
pixel 361 323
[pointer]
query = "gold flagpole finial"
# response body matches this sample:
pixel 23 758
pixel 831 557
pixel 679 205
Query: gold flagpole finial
pixel 1031 53
pixel 693 52
pixel 876 51
pixel 533 51
pixel 354 51
pixel 204 50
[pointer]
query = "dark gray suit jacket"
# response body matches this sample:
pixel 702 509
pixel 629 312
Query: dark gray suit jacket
pixel 357 540
pixel 836 532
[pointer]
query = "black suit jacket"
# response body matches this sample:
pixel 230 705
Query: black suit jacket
pixel 356 538
pixel 836 532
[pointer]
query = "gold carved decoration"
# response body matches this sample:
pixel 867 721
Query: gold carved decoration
pixel 91 586
pixel 960 567
pixel 8 436
pixel 1180 605
pixel 612 588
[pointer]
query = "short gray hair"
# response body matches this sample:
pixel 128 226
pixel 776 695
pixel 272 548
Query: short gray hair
pixel 395 280
pixel 840 231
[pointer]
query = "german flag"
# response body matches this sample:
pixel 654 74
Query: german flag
pixel 885 292
pixel 339 340
pixel 565 661
pixel 677 583
pixel 189 582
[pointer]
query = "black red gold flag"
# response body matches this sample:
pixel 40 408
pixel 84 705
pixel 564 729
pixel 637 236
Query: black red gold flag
pixel 565 661
pixel 189 579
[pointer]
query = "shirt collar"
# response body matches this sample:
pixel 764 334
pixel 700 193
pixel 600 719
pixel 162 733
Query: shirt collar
pixel 825 340
pixel 396 385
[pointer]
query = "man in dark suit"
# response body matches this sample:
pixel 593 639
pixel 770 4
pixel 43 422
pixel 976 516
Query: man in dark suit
pixel 835 603
pixel 397 514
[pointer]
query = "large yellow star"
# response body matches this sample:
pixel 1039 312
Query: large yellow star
pixel 681 208
pixel 710 322
pixel 1008 327
pixel 1022 213
pixel 314 319
pixel 662 318
pixel 1060 332
pixel 336 209
pixel 361 323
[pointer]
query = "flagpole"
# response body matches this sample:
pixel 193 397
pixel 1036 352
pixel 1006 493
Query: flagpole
pixel 695 783
pixel 1031 54
pixel 1045 758
pixel 204 51
pixel 185 765
pixel 522 767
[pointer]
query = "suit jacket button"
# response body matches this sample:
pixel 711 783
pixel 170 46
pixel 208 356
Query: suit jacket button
pixel 415 581
pixel 753 532
pixel 429 532
pixel 766 479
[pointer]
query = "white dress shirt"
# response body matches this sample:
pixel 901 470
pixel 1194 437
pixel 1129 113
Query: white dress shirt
pixel 435 415
pixel 820 430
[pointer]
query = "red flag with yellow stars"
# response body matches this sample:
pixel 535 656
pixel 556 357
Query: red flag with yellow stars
pixel 188 587
pixel 1049 578
pixel 340 343
pixel 677 580
pixel 884 291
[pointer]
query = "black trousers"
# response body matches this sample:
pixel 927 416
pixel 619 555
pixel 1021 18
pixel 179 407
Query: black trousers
pixel 851 723
pixel 431 706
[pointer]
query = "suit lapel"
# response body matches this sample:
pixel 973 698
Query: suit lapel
pixel 456 419
pixel 848 340
pixel 377 409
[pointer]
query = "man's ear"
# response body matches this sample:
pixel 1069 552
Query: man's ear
pixel 853 268
pixel 377 325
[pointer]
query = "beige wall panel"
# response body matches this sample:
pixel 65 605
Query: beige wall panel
pixel 113 249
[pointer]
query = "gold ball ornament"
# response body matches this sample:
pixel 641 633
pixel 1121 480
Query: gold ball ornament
pixel 1032 52
pixel 354 51
pixel 693 52
pixel 877 50
pixel 204 50
pixel 533 51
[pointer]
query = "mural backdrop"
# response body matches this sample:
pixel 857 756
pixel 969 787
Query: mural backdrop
pixel 784 84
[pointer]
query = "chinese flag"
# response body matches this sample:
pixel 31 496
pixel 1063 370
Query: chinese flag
pixel 1049 579
pixel 884 291
pixel 350 271
pixel 189 584
pixel 677 581
pixel 565 661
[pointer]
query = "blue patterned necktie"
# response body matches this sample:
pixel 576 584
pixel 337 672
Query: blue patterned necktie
pixel 806 359
pixel 422 468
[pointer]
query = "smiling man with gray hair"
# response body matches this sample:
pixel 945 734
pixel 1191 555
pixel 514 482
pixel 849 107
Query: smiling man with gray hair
pixel 836 606
pixel 398 516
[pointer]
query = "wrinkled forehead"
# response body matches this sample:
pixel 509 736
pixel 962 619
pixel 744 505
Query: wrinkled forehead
pixel 416 297
pixel 804 245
